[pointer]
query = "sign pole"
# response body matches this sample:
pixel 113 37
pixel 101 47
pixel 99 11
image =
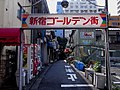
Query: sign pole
pixel 21 59
pixel 107 60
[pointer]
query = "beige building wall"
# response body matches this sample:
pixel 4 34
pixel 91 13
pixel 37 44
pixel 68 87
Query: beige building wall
pixel 114 21
pixel 8 15
pixel 10 9
pixel 1 12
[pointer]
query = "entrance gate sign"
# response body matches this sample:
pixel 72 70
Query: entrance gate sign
pixel 64 21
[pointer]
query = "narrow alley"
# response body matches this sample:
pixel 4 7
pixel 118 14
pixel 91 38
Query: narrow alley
pixel 62 76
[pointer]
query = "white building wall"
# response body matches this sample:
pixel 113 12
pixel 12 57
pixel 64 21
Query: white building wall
pixel 10 13
pixel 118 7
pixel 82 6
pixel 1 12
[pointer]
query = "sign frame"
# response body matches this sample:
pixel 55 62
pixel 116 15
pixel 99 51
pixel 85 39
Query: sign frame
pixel 64 21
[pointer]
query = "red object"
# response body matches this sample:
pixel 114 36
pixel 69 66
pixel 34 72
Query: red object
pixel 10 36
pixel 34 67
pixel 67 50
pixel 36 63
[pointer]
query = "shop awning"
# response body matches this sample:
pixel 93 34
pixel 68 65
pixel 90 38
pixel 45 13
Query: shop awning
pixel 10 36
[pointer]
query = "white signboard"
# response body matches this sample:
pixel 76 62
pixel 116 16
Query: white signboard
pixel 63 21
pixel 86 35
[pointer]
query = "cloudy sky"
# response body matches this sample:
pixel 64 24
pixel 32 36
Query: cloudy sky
pixel 112 5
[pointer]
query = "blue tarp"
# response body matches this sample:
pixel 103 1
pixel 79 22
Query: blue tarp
pixel 79 65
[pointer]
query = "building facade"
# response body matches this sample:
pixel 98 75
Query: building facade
pixel 114 32
pixel 118 7
pixel 114 21
pixel 82 6
pixel 59 10
pixel 10 24
pixel 114 42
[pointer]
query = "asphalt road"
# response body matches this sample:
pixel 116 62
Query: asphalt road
pixel 62 76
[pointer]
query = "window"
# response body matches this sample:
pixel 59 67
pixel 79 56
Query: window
pixel 77 11
pixel 112 39
pixel 114 19
pixel 90 6
pixel 91 11
pixel 95 11
pixel 76 6
pixel 66 10
pixel 82 11
pixel 81 6
pixel 71 6
pixel 85 6
pixel 114 23
pixel 111 54
pixel 94 6
pixel 77 3
pixel 85 11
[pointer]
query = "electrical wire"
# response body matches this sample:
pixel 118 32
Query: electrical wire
pixel 94 4
pixel 33 4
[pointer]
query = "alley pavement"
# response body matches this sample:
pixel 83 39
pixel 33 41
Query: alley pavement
pixel 61 76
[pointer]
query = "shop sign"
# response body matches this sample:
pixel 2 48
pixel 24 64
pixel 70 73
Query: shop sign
pixel 25 56
pixel 87 37
pixel 64 21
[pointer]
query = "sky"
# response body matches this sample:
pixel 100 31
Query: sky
pixel 112 5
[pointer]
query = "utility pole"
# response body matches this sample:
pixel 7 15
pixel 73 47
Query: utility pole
pixel 107 60
pixel 20 60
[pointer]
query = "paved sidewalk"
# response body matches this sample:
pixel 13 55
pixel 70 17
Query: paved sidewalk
pixel 81 73
pixel 83 76
pixel 34 83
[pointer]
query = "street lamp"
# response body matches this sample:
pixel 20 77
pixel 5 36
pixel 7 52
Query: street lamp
pixel 64 3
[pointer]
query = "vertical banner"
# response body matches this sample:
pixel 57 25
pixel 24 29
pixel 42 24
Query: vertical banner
pixel 25 56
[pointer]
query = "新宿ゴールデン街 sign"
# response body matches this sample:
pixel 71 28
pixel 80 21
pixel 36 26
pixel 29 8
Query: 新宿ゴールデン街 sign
pixel 63 21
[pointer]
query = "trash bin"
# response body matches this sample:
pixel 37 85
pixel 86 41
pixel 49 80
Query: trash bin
pixel 100 80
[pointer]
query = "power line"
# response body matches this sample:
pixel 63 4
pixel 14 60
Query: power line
pixel 94 4
pixel 33 4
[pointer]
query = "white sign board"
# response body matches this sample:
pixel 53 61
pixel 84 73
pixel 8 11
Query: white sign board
pixel 63 21
pixel 86 35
